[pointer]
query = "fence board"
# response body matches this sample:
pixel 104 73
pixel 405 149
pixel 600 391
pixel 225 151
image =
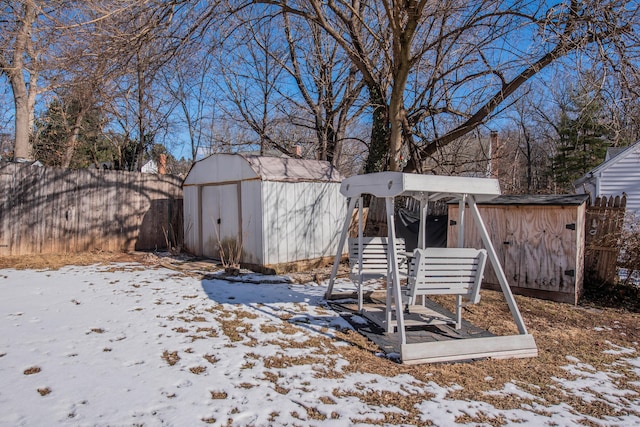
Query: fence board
pixel 604 222
pixel 46 210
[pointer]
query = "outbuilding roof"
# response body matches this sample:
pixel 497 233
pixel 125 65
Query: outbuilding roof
pixel 539 199
pixel 219 168
pixel 292 170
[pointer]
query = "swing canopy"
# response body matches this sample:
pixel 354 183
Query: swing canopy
pixel 392 184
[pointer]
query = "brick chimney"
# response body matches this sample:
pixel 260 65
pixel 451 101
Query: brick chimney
pixel 493 154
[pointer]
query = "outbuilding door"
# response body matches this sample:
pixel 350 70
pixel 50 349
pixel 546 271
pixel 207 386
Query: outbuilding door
pixel 220 218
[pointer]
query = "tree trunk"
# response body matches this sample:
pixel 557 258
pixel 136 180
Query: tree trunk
pixel 24 94
pixel 23 124
pixel 72 140
pixel 379 144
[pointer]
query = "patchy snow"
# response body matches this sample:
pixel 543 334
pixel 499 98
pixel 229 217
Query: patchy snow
pixel 617 349
pixel 123 344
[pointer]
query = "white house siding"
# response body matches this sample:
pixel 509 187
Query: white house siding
pixel 301 220
pixel 220 216
pixel 623 176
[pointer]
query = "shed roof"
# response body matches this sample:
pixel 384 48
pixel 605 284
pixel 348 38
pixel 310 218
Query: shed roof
pixel 292 170
pixel 540 199
pixel 240 167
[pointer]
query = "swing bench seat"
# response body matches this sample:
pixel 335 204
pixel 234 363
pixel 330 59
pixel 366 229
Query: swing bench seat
pixel 374 258
pixel 446 271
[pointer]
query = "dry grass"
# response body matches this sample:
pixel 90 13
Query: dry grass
pixel 560 330
pixel 236 330
pixel 171 357
pixel 32 370
pixel 198 370
pixel 44 391
pixel 218 395
pixel 56 261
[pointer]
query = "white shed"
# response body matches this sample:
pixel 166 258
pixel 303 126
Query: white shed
pixel 282 211
pixel 620 172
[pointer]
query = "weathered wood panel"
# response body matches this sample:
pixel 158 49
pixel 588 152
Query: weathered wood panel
pixel 540 247
pixel 46 210
pixel 604 222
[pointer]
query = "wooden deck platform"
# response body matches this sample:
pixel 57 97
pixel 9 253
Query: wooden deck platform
pixel 431 337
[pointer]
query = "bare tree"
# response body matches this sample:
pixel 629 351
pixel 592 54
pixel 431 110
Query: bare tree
pixel 328 85
pixel 141 41
pixel 83 46
pixel 192 88
pixel 452 64
pixel 21 62
pixel 251 72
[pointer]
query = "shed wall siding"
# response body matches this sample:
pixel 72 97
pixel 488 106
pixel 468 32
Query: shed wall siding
pixel 251 222
pixel 536 245
pixel 301 220
pixel 191 220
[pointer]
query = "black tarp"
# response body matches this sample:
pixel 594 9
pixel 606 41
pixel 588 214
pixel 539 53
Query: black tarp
pixel 408 226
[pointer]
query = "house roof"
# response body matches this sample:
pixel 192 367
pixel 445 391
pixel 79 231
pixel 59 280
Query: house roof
pixel 613 158
pixel 613 152
pixel 221 168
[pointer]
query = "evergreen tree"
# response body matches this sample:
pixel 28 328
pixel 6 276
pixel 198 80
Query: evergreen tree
pixel 54 128
pixel 583 140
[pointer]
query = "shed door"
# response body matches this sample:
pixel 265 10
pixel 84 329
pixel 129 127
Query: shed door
pixel 220 218
pixel 540 248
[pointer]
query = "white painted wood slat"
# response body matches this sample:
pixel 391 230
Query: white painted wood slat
pixel 473 348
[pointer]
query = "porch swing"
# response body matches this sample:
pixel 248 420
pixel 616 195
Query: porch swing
pixel 429 271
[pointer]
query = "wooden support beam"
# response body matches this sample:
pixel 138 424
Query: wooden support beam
pixel 343 239
pixel 512 346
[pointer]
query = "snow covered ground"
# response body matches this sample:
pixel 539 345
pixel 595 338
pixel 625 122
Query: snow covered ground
pixel 125 344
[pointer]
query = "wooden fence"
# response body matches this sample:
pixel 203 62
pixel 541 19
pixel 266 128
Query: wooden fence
pixel 45 210
pixel 603 228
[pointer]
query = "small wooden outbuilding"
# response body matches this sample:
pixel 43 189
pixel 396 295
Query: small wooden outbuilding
pixel 539 240
pixel 281 213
